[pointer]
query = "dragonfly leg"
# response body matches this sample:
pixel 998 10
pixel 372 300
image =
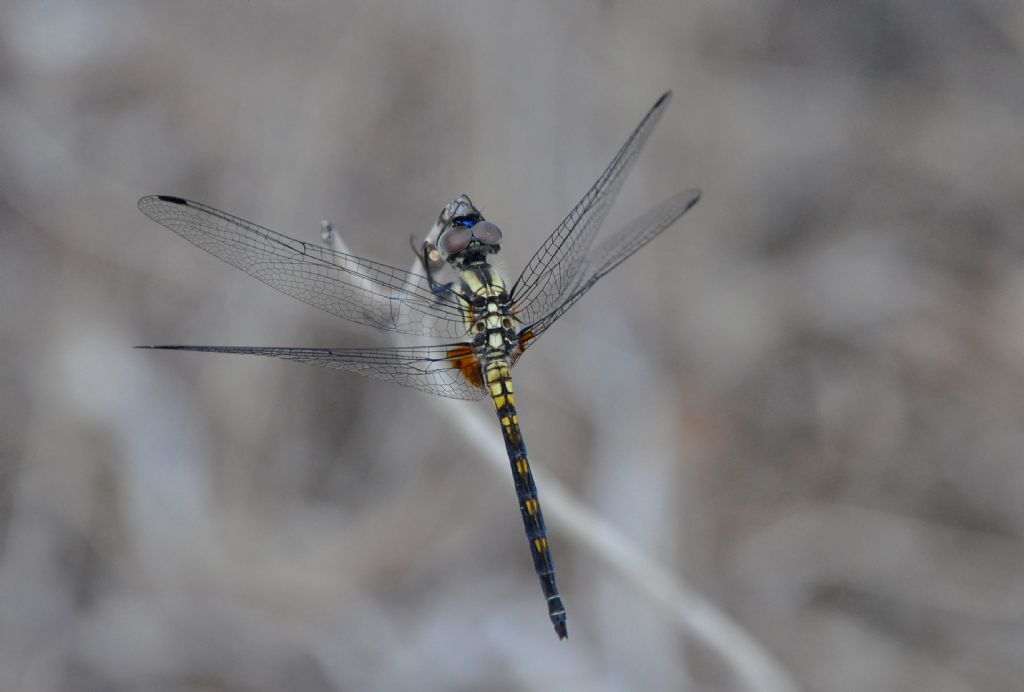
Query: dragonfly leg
pixel 431 262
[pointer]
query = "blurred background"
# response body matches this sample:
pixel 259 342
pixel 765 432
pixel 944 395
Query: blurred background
pixel 805 400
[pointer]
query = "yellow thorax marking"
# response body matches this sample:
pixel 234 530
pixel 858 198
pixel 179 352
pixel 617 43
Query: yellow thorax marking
pixel 472 281
pixel 489 285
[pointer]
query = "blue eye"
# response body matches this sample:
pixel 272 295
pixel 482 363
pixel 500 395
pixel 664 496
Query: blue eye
pixel 464 222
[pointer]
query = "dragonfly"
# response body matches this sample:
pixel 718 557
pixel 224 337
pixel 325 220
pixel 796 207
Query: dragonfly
pixel 454 296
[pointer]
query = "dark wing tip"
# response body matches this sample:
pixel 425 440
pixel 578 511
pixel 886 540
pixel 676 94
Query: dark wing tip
pixel 172 199
pixel 695 195
pixel 665 98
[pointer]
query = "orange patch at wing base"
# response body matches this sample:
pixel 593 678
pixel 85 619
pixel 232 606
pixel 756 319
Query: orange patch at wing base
pixel 524 339
pixel 463 358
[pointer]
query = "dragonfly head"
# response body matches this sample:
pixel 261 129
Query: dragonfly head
pixel 465 236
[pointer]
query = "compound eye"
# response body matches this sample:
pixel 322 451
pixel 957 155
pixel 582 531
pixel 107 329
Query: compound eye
pixel 455 239
pixel 487 233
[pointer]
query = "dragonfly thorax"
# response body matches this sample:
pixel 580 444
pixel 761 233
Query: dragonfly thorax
pixel 490 321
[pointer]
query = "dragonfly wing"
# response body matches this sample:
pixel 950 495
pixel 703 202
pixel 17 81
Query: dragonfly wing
pixel 551 270
pixel 610 254
pixel 450 370
pixel 350 287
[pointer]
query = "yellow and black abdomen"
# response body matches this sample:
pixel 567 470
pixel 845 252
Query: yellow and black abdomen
pixel 499 384
pixel 491 323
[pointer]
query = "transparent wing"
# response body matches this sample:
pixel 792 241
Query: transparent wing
pixel 356 289
pixel 552 270
pixel 610 254
pixel 450 370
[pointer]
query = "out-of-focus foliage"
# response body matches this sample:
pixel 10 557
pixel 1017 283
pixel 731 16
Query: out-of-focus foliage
pixel 807 399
